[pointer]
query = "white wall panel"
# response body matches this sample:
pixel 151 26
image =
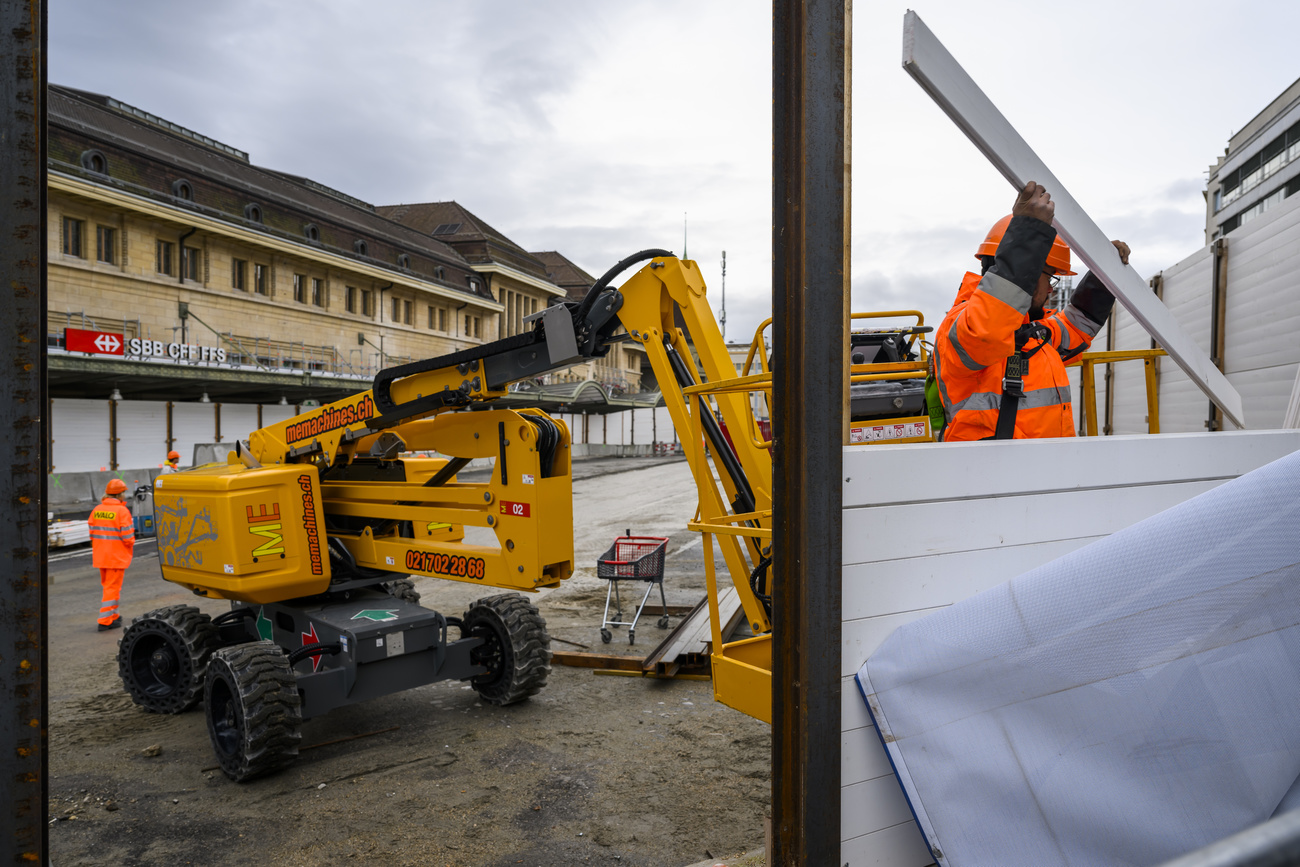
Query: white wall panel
pixel 273 413
pixel 80 431
pixel 192 423
pixel 141 433
pixel 238 420
pixel 928 525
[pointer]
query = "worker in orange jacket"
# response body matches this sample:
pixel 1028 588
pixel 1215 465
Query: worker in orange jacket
pixel 112 541
pixel 999 355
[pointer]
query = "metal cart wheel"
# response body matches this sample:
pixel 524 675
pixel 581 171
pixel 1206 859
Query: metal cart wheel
pixel 663 622
pixel 606 636
pixel 163 656
pixel 253 708
pixel 631 636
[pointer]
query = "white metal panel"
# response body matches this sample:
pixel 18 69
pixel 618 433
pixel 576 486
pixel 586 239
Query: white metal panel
pixel 273 413
pixel 896 846
pixel 238 420
pixel 916 529
pixel 858 765
pixel 886 474
pixel 80 432
pixel 192 423
pixel 881 797
pixel 1266 391
pixel 141 434
pixel 853 711
pixel 942 77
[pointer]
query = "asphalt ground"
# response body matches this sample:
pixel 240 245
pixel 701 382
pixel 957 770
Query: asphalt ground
pixel 594 769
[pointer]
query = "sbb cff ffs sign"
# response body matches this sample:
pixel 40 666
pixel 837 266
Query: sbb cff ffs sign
pixel 97 342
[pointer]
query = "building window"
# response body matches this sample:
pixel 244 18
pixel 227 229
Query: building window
pixel 182 189
pixel 105 244
pixel 432 320
pixel 408 309
pixel 253 212
pixel 94 161
pixel 260 278
pixel 442 319
pixel 473 284
pixel 300 288
pixel 163 257
pixel 318 292
pixel 361 247
pixel 397 310
pixel 440 272
pixel 312 233
pixel 366 307
pixel 404 261
pixel 238 274
pixel 350 299
pixel 190 263
pixel 72 232
pixel 477 320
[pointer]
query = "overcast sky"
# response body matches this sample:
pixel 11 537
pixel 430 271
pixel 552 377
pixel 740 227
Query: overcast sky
pixel 592 127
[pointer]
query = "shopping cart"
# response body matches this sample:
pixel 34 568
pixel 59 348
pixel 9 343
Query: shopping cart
pixel 632 558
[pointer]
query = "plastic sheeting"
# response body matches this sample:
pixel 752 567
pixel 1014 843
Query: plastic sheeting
pixel 1122 705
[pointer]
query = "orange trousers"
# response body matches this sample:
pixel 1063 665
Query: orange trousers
pixel 112 581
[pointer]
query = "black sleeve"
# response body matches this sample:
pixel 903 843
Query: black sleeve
pixel 1093 299
pixel 1023 252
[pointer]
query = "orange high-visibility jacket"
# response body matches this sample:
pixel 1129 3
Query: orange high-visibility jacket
pixel 978 334
pixel 112 535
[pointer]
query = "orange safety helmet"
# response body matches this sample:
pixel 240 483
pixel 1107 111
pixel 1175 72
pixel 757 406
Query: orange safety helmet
pixel 173 456
pixel 1058 258
pixel 115 486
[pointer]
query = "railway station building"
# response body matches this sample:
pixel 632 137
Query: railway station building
pixel 195 296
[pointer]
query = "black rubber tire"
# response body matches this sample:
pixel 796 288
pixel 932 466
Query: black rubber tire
pixel 253 709
pixel 663 622
pixel 162 658
pixel 606 636
pixel 516 648
pixel 631 636
pixel 403 589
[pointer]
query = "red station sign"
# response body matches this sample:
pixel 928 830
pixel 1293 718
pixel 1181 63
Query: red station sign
pixel 98 342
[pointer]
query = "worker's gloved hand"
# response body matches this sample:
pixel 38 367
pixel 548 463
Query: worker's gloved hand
pixel 1123 251
pixel 1034 201
pixel 1092 298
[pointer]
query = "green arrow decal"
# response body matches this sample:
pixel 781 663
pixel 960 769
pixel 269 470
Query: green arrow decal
pixel 264 626
pixel 376 614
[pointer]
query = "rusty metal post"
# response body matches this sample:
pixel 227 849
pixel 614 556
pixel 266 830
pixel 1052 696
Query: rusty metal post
pixel 24 682
pixel 810 199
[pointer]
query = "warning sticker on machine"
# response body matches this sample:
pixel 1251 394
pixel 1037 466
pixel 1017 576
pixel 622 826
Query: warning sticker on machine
pixel 528 478
pixel 861 433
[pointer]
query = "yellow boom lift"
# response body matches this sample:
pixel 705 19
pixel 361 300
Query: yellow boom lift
pixel 315 524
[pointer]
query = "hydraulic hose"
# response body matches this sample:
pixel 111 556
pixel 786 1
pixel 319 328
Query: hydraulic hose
pixel 599 286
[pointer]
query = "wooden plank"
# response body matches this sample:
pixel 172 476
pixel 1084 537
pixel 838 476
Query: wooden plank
pixel 943 78
pixel 597 660
pixel 925 529
pixel 901 845
pixel 886 474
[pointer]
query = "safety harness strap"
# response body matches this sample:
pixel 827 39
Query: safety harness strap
pixel 1013 380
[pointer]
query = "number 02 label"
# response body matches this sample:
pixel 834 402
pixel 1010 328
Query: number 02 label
pixel 517 510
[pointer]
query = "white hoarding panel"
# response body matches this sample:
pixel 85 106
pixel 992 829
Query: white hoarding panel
pixel 192 423
pixel 930 64
pixel 141 434
pixel 238 420
pixel 80 430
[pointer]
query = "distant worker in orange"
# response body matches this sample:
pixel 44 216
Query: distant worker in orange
pixel 112 540
pixel 999 355
pixel 173 459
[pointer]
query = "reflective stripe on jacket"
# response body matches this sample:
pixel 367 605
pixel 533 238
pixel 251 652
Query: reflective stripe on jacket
pixel 978 334
pixel 112 535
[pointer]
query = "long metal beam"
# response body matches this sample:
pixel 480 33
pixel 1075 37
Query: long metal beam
pixel 942 77
pixel 24 786
pixel 810 230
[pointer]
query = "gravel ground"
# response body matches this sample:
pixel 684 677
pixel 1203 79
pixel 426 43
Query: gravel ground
pixel 594 769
